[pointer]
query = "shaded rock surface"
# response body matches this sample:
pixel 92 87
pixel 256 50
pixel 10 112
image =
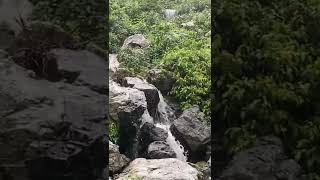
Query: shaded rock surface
pixel 265 160
pixel 50 130
pixel 194 134
pixel 159 169
pixel 160 150
pixel 149 133
pixel 117 161
pixel 83 68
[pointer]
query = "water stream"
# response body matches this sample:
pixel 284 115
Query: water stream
pixel 164 123
pixel 170 14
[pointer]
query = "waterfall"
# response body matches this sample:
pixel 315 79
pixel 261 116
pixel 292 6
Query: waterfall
pixel 173 143
pixel 170 14
pixel 164 123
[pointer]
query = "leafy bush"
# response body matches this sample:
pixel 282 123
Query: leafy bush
pixel 266 69
pixel 191 70
pixel 136 61
pixel 113 131
pixel 183 50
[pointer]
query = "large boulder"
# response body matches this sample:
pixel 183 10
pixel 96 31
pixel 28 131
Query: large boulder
pixel 265 160
pixel 159 169
pixel 148 134
pixel 135 41
pixel 160 150
pixel 127 106
pixel 50 130
pixel 193 133
pixel 151 92
pixel 163 81
pixel 117 161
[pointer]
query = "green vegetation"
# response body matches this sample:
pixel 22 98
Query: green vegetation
pixel 181 46
pixel 113 131
pixel 266 68
pixel 85 20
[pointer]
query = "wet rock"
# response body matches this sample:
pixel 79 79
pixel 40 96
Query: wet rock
pixel 135 41
pixel 164 82
pixel 50 130
pixel 149 133
pixel 264 160
pixel 160 169
pixel 193 133
pixel 160 150
pixel 151 92
pixel 117 161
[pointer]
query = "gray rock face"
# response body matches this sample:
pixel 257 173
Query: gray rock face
pixel 117 161
pixel 135 41
pixel 193 133
pixel 150 92
pixel 50 129
pixel 159 169
pixel 127 106
pixel 160 150
pixel 113 64
pixel 265 160
pixel 3 54
pixel 75 68
pixel 163 82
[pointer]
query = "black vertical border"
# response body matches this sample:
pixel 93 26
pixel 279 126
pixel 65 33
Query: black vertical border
pixel 107 106
pixel 212 95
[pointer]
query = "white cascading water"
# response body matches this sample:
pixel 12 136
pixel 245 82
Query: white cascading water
pixel 165 124
pixel 170 14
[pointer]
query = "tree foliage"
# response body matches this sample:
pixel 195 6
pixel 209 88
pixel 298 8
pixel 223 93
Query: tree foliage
pixel 85 20
pixel 266 68
pixel 181 46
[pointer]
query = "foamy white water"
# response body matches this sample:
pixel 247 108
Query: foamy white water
pixel 165 124
pixel 173 143
pixel 170 14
